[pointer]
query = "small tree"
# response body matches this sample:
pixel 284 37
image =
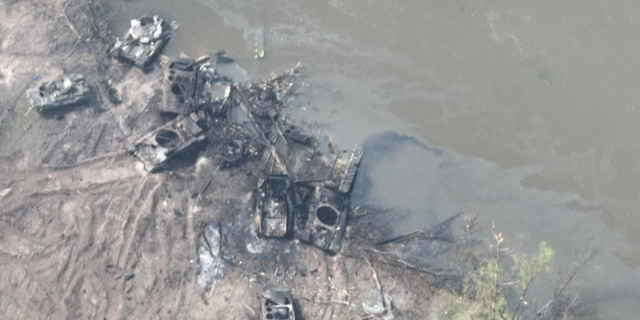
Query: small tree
pixel 528 267
pixel 483 290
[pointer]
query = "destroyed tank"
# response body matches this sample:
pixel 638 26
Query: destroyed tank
pixel 328 205
pixel 156 148
pixel 143 41
pixel 55 95
pixel 180 78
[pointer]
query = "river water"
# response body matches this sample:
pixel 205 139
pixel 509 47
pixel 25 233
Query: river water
pixel 522 111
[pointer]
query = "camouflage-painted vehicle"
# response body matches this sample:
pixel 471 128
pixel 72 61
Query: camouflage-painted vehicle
pixel 58 94
pixel 143 42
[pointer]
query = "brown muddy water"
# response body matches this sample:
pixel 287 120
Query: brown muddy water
pixel 523 111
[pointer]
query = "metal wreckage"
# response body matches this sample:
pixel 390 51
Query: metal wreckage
pixel 277 303
pixel 304 190
pixel 303 179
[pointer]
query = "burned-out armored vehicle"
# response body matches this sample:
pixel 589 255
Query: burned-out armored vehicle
pixel 328 206
pixel 213 91
pixel 296 133
pixel 180 79
pixel 159 146
pixel 143 41
pixel 232 152
pixel 275 206
pixel 58 94
pixel 327 219
pixel 277 304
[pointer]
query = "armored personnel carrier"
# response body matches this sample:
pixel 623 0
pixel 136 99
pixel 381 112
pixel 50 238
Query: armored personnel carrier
pixel 58 94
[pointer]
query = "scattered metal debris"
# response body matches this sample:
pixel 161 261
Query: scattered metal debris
pixel 120 273
pixel 231 152
pixel 277 304
pixel 296 133
pixel 212 264
pixel 348 181
pixel 378 305
pixel 143 41
pixel 213 91
pixel 55 95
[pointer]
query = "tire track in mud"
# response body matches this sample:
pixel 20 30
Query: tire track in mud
pixel 140 200
pixel 134 210
pixel 33 305
pixel 61 224
pixel 161 253
pixel 64 218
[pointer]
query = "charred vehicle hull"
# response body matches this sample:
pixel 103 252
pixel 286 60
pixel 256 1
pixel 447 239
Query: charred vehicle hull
pixel 213 91
pixel 328 206
pixel 159 146
pixel 327 220
pixel 277 304
pixel 275 206
pixel 180 78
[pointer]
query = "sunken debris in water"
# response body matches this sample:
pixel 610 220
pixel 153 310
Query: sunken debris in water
pixel 58 94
